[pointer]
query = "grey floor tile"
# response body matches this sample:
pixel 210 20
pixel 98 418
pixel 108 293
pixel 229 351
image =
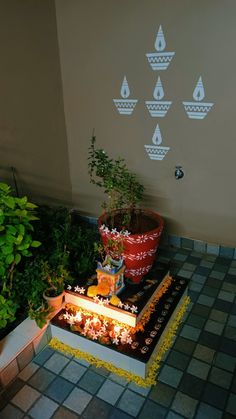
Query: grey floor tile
pixel 230 333
pixel 185 346
pixel 184 405
pixel 82 361
pixel 28 371
pixel 43 408
pixel 220 377
pixel 25 397
pixel 206 300
pixel 41 379
pixel 63 413
pixel 170 376
pixel 178 360
pixel 11 412
pixel 110 392
pixel 119 414
pixel 91 381
pixel 215 396
pixel 200 279
pixel 225 361
pixel 198 368
pixel 185 274
pixel 174 415
pixel 227 296
pixel 162 394
pixel 196 321
pixel 59 389
pixel 44 355
pixel 77 400
pixel 152 410
pixel 232 320
pixel 118 379
pixel 190 332
pixel 231 405
pixel 56 363
pixel 131 402
pixel 191 385
pixel 73 371
pixel 144 391
pixel 205 411
pixel 217 275
pixel 97 408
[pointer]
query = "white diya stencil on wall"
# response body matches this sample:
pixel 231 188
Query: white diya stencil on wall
pixel 156 151
pixel 158 107
pixel 198 109
pixel 125 106
pixel 160 60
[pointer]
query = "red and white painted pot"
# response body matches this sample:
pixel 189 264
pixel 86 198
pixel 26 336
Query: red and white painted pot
pixel 139 249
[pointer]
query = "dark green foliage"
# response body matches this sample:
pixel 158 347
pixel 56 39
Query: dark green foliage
pixel 121 186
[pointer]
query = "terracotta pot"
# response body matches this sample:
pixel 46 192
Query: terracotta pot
pixel 139 249
pixel 54 302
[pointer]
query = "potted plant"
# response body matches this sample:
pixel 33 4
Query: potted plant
pixel 56 279
pixel 140 229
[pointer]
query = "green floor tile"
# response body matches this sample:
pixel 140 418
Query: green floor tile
pixel 162 394
pixel 152 410
pixel 204 353
pixel 170 376
pixel 231 405
pixel 220 377
pixel 184 405
pixel 214 327
pixel 198 368
pixel 178 360
pixel 219 316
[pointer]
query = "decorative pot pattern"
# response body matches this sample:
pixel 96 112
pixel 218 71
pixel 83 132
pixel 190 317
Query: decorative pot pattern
pixel 139 249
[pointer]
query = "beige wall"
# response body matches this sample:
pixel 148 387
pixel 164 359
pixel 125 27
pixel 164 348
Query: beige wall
pixel 32 126
pixel 99 43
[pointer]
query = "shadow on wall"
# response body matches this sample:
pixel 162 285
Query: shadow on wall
pixel 38 188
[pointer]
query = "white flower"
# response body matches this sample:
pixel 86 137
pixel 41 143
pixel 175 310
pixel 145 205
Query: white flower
pixel 129 340
pixel 124 336
pixel 66 316
pixel 69 287
pixel 126 306
pixel 114 231
pixel 134 309
pixel 77 288
pixel 106 302
pixel 82 290
pixel 115 341
pixel 125 233
pixel 120 305
pixel 96 299
pixel 101 302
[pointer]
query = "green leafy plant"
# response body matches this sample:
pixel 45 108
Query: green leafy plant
pixel 55 279
pixel 40 314
pixel 7 311
pixel 121 186
pixel 16 243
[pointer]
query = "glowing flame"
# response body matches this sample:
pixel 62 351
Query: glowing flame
pixel 160 42
pixel 199 93
pixel 124 91
pixel 158 92
pixel 157 138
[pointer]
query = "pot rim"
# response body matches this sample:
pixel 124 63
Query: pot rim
pixel 152 214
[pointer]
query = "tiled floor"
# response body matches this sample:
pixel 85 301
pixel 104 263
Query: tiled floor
pixel 197 378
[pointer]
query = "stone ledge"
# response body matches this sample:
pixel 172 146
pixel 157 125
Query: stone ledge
pixel 19 347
